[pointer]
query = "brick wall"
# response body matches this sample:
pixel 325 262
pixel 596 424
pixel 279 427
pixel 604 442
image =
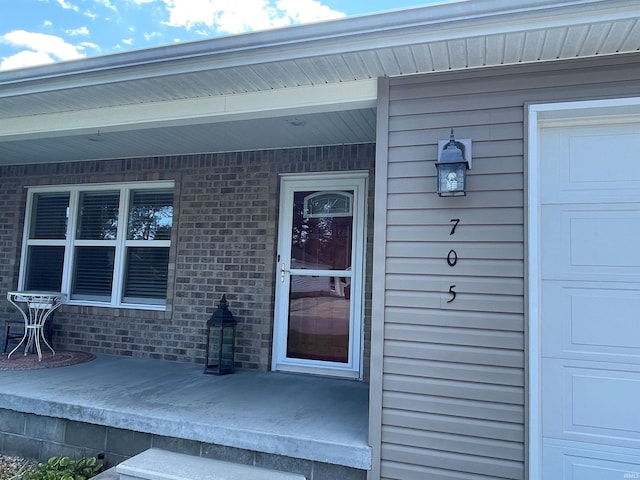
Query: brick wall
pixel 223 242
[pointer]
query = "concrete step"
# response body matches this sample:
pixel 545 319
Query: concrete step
pixel 109 474
pixel 156 464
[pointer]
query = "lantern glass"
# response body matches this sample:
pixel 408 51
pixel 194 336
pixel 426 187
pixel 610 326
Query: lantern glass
pixel 221 335
pixel 226 354
pixel 451 179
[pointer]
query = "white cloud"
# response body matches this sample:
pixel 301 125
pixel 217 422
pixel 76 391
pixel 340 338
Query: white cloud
pixel 151 36
pixel 224 15
pixel 39 48
pixel 85 45
pixel 78 31
pixel 203 17
pixel 108 4
pixel 304 11
pixel 233 16
pixel 25 58
pixel 68 6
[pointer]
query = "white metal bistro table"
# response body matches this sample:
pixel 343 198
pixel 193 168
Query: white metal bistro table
pixel 35 307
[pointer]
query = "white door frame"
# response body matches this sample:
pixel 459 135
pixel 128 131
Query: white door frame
pixel 549 114
pixel 356 181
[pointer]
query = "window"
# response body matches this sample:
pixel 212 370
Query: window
pixel 101 244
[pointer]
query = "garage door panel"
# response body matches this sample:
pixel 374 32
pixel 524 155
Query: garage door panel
pixel 591 402
pixel 595 321
pixel 591 241
pixel 586 463
pixel 581 174
pixel 590 299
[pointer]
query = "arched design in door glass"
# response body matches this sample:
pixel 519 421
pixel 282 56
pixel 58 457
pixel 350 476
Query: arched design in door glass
pixel 324 204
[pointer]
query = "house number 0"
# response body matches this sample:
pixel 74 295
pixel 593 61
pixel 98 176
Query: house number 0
pixel 452 258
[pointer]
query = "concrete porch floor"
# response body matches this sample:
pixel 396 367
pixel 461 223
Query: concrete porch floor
pixel 298 416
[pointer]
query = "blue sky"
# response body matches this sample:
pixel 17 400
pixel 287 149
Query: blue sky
pixel 35 32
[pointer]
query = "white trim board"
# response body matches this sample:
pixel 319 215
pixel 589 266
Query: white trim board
pixel 292 101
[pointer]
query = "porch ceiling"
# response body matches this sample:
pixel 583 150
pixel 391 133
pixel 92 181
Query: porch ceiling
pixel 297 86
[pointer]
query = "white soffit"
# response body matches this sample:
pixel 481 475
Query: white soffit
pixel 246 106
pixel 316 69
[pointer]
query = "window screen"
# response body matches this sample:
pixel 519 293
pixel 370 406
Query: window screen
pixel 49 217
pixel 146 274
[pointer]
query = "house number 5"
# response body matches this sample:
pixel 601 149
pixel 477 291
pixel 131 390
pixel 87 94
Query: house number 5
pixel 452 292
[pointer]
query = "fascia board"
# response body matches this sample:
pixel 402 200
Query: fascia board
pixel 275 103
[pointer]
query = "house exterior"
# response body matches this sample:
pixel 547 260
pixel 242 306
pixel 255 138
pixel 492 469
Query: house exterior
pixel 293 171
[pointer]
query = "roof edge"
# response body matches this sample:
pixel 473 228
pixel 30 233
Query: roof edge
pixel 349 33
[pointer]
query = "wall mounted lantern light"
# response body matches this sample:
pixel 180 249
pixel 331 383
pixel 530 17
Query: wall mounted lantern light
pixel 454 159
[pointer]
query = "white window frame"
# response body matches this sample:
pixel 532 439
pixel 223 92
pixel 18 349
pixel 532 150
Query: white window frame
pixel 70 242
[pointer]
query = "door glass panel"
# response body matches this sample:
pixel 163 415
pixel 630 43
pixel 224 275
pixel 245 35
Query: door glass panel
pixel 319 305
pixel 321 241
pixel 318 320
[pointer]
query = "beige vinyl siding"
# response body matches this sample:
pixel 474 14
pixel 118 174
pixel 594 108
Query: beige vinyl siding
pixel 452 385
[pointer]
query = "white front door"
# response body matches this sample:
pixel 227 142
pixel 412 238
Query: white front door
pixel 590 299
pixel 320 267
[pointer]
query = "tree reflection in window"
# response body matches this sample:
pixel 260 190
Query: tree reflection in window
pixel 322 229
pixel 150 215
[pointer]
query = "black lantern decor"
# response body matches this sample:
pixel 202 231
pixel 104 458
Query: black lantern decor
pixel 452 165
pixel 221 339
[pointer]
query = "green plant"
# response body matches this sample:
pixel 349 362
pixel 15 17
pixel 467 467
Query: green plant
pixel 63 468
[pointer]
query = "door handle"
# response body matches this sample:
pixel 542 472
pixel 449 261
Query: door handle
pixel 283 272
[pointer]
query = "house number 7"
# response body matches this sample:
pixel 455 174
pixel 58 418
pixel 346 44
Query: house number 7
pixel 455 222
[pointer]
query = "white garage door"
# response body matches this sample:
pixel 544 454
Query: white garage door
pixel 590 301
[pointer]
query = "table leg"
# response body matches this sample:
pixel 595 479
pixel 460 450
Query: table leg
pixel 44 339
pixel 24 337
